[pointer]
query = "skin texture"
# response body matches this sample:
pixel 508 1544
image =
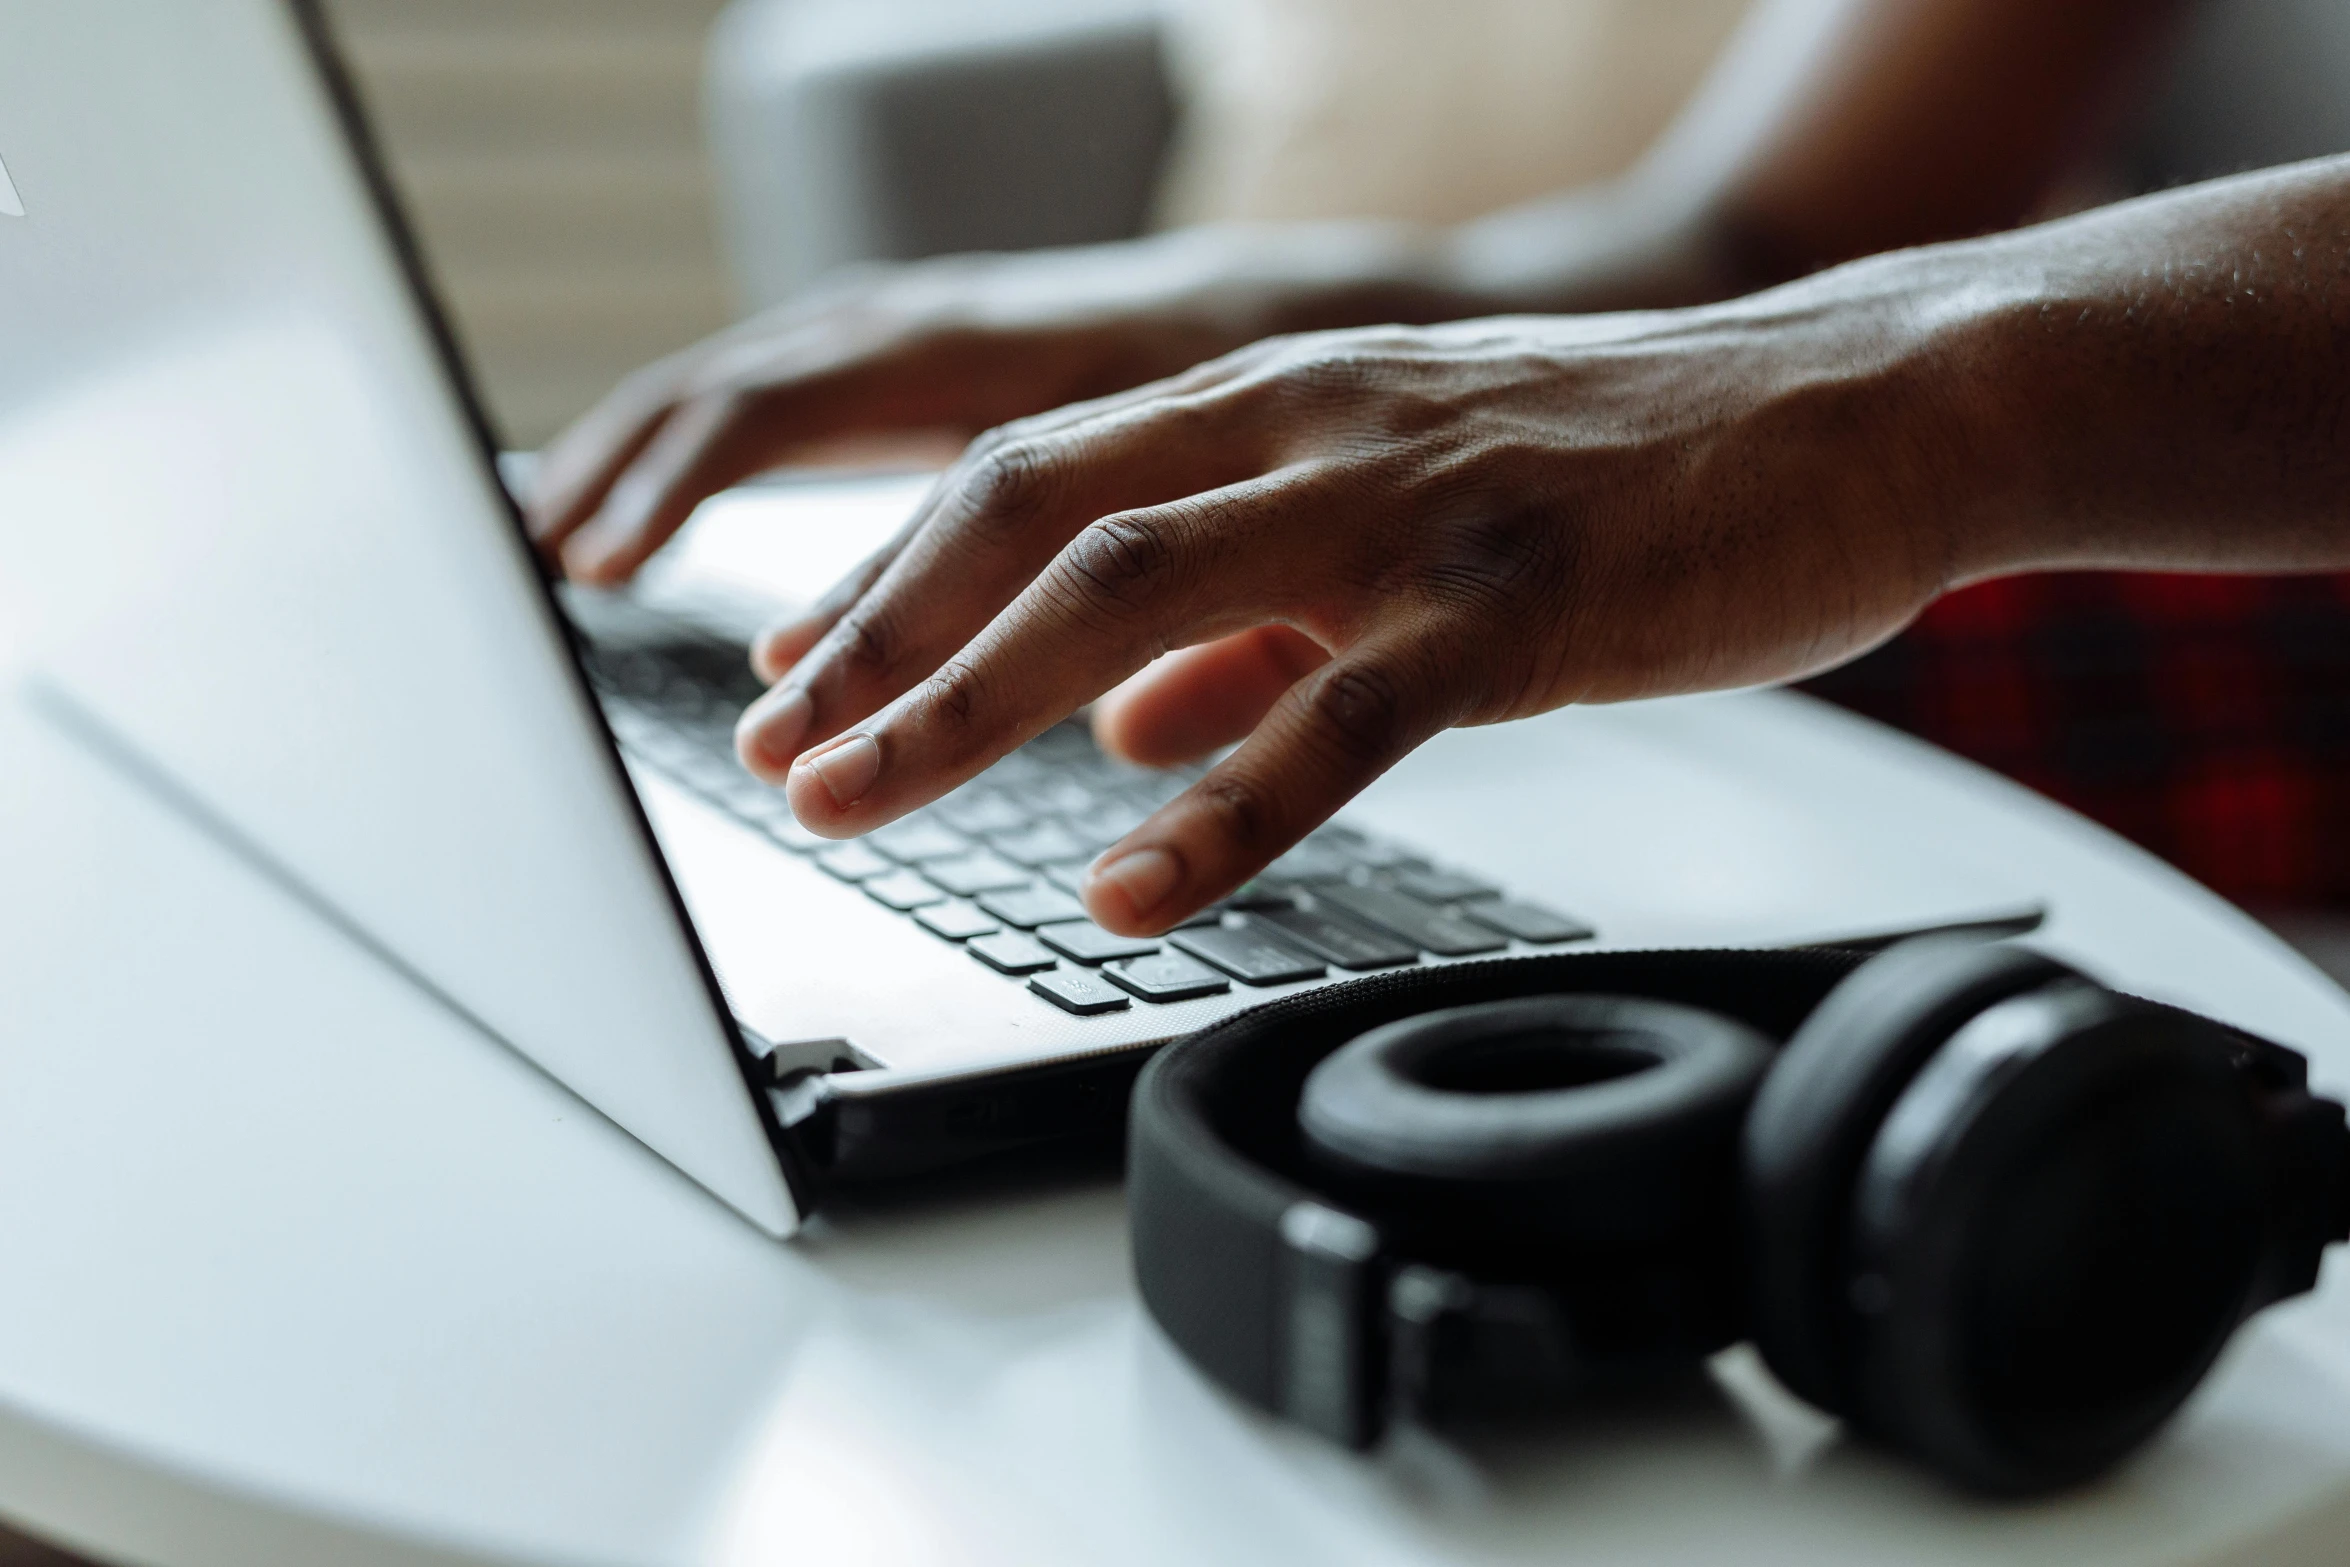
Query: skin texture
pixel 1331 544
pixel 1428 526
pixel 1833 129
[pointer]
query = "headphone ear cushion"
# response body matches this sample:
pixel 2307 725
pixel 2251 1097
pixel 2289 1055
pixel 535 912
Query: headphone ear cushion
pixel 1814 1119
pixel 1563 1119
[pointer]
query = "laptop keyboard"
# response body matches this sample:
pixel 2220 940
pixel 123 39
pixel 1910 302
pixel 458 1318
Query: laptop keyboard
pixel 994 866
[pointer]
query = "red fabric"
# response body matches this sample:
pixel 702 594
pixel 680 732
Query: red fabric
pixel 2207 718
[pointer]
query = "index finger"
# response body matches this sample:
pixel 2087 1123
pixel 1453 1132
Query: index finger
pixel 578 467
pixel 1125 588
pixel 991 525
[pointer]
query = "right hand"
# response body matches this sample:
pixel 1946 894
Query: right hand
pixel 928 354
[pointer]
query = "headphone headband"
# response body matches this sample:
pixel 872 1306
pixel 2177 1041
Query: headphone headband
pixel 1275 1290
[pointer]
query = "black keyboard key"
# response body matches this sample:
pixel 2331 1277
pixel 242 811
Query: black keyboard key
pixel 1021 767
pixel 1262 895
pixel 631 726
pixel 1106 823
pixel 786 830
pixel 1031 906
pixel 1037 845
pixel 1152 790
pixel 737 790
pixel 664 748
pixel 684 705
pixel 1430 929
pixel 1379 854
pixel 1089 943
pixel 1251 955
pixel 1166 976
pixel 981 811
pixel 1069 876
pixel 1434 886
pixel 1056 795
pixel 1308 862
pixel 854 862
pixel 1346 943
pixel 957 920
pixel 1527 921
pixel 919 838
pixel 903 891
pixel 763 811
pixel 1079 990
pixel 1357 847
pixel 970 874
pixel 1010 952
pixel 743 795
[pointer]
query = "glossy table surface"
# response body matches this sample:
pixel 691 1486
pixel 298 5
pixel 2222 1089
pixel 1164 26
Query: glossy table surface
pixel 298 1268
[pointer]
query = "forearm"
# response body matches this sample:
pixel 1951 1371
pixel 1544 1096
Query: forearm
pixel 2163 384
pixel 1829 130
pixel 1678 229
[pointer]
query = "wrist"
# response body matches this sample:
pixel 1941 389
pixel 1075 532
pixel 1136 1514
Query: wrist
pixel 1263 280
pixel 1885 383
pixel 1967 310
pixel 1630 244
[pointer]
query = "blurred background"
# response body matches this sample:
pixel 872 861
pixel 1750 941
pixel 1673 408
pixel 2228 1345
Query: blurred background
pixel 552 153
pixel 600 181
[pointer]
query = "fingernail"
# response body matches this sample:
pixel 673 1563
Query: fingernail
pixel 1143 878
pixel 768 734
pixel 846 768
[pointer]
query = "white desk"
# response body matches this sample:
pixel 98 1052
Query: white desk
pixel 297 1269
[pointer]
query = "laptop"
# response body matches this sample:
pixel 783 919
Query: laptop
pixel 253 532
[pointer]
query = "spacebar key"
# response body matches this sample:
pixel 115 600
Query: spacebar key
pixel 1252 956
pixel 1348 943
pixel 1432 930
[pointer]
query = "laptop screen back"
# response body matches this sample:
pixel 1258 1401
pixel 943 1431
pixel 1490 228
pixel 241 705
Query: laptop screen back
pixel 247 527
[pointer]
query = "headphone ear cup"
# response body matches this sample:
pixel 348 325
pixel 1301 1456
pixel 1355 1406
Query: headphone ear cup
pixel 1812 1124
pixel 1581 1147
pixel 2057 1231
pixel 1519 1089
pixel 1553 1120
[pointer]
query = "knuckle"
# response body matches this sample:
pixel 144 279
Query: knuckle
pixel 1361 710
pixel 1333 374
pixel 1115 564
pixel 867 640
pixel 977 450
pixel 1491 559
pixel 1296 386
pixel 1007 482
pixel 951 695
pixel 1338 366
pixel 1239 811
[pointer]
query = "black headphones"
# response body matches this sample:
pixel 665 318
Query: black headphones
pixel 1996 1216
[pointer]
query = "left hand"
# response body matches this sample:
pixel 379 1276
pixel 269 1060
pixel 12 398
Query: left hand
pixel 1359 538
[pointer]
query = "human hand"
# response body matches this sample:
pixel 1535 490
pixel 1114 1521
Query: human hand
pixel 1357 539
pixel 922 356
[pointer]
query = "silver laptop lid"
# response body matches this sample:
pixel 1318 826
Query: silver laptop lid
pixel 249 526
